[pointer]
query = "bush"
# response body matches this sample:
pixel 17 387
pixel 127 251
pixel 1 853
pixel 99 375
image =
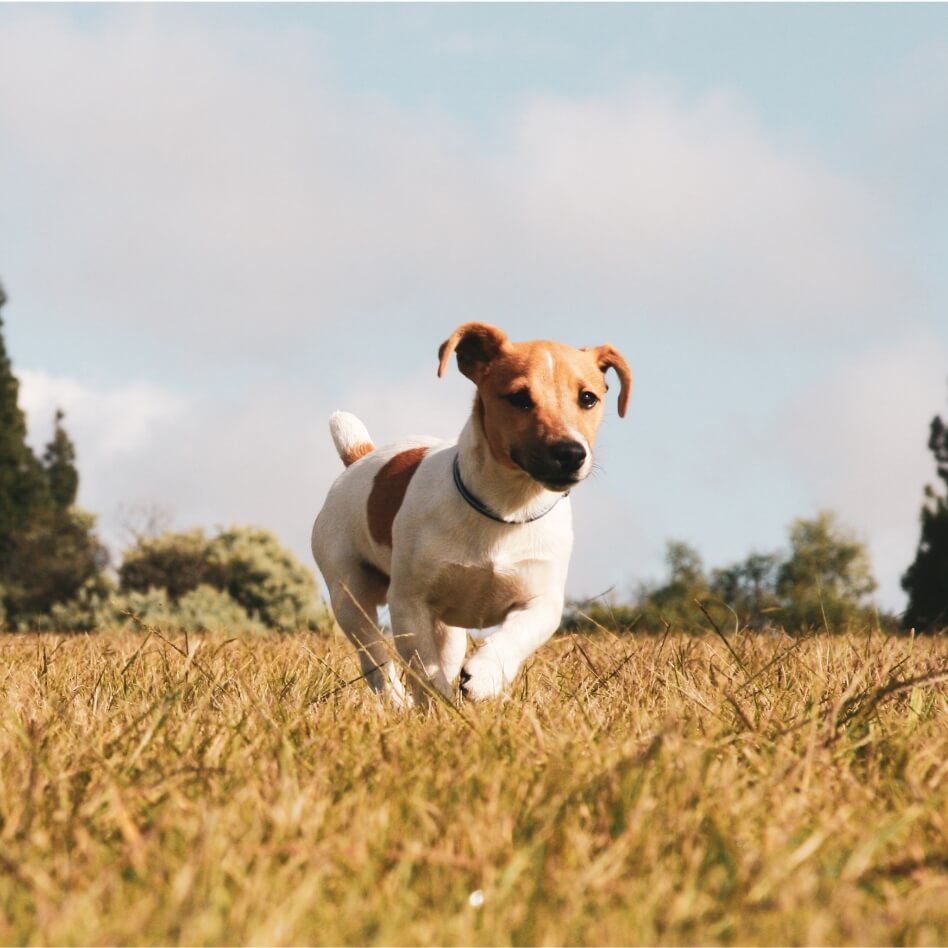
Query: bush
pixel 266 579
pixel 174 562
pixel 242 578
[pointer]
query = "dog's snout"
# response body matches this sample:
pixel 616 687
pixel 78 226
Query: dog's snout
pixel 569 455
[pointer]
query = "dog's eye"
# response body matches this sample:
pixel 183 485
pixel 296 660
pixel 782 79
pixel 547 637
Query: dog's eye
pixel 588 399
pixel 520 399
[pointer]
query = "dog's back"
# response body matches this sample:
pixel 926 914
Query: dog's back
pixel 361 506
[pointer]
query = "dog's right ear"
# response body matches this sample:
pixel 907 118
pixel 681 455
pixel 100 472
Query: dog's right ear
pixel 477 345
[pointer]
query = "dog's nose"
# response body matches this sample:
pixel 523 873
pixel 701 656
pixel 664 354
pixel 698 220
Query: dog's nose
pixel 569 455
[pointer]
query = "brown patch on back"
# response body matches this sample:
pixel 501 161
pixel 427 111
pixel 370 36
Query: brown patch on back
pixel 388 492
pixel 357 451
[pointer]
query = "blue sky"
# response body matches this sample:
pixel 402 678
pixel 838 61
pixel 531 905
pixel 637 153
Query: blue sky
pixel 219 223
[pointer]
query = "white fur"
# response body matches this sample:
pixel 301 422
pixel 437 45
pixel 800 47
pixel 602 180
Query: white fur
pixel 450 567
pixel 347 432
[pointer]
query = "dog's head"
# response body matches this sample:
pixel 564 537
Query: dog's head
pixel 539 403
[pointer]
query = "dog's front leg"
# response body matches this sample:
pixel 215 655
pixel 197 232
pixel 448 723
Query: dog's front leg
pixel 495 664
pixel 415 630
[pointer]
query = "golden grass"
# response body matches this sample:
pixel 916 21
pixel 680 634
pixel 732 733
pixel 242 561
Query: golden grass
pixel 631 791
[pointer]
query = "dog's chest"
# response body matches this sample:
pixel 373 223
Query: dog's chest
pixel 478 596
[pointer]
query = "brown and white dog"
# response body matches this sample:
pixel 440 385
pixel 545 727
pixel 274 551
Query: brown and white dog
pixel 466 535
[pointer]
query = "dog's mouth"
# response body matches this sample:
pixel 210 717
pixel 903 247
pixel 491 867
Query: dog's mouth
pixel 556 481
pixel 558 484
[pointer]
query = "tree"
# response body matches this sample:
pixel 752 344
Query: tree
pixel 23 486
pixel 926 580
pixel 48 547
pixel 53 557
pixel 674 600
pixel 749 587
pixel 59 463
pixel 827 578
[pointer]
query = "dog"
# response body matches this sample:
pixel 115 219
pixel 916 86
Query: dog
pixel 469 534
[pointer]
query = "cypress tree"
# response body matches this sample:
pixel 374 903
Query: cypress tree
pixel 23 484
pixel 926 580
pixel 48 547
pixel 59 463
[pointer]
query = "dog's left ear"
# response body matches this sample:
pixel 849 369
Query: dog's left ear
pixel 477 345
pixel 608 357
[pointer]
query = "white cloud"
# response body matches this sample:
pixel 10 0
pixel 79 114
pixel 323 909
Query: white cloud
pixel 203 463
pixel 109 423
pixel 213 184
pixel 265 459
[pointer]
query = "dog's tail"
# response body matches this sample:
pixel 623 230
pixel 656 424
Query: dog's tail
pixel 350 437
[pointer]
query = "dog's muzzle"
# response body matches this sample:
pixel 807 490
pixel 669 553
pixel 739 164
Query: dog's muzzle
pixel 558 468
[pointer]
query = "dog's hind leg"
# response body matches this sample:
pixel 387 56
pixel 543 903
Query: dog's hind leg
pixel 356 592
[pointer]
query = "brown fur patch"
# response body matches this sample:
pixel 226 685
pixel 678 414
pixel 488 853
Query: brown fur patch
pixel 357 451
pixel 388 492
pixel 476 597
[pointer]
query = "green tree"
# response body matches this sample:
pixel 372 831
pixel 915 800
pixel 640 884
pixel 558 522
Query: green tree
pixel 48 547
pixel 826 579
pixel 673 601
pixel 53 557
pixel 926 580
pixel 23 487
pixel 59 463
pixel 749 588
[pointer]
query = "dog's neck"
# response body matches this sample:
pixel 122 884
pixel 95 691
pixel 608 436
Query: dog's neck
pixel 511 494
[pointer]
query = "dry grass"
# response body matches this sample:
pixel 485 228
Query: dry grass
pixel 632 791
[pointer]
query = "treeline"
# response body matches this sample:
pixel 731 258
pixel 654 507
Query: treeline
pixel 823 580
pixel 55 573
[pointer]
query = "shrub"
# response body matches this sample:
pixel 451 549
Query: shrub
pixel 174 562
pixel 266 579
pixel 243 577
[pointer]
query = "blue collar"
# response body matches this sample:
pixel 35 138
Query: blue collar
pixel 482 508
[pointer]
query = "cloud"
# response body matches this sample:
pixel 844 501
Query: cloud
pixel 110 423
pixel 264 458
pixel 214 185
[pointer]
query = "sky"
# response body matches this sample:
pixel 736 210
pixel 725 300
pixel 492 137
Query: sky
pixel 220 223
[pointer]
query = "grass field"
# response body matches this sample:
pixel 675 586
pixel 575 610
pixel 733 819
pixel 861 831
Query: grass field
pixel 632 790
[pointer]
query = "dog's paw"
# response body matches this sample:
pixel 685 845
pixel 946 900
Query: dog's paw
pixel 483 676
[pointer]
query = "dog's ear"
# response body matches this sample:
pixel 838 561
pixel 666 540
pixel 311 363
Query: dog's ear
pixel 477 345
pixel 608 357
